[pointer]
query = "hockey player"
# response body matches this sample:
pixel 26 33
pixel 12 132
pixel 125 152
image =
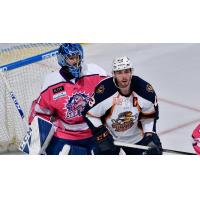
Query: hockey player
pixel 124 108
pixel 196 139
pixel 64 96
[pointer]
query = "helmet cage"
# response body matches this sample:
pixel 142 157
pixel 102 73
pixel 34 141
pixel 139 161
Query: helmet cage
pixel 65 52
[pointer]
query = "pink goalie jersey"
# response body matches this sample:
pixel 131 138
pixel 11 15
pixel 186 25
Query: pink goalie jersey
pixel 65 100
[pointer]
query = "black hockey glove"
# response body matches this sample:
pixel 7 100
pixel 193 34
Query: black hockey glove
pixel 104 142
pixel 152 140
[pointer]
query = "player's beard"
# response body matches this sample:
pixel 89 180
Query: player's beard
pixel 124 83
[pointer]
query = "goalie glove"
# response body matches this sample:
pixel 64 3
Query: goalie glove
pixel 104 141
pixel 152 140
pixel 196 139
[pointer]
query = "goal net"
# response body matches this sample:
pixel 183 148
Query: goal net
pixel 24 66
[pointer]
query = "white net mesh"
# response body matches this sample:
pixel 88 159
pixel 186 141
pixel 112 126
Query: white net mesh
pixel 26 84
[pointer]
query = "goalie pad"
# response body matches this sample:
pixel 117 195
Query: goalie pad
pixel 38 137
pixel 73 150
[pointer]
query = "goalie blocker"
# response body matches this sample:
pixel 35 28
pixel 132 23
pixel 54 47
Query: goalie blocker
pixel 37 139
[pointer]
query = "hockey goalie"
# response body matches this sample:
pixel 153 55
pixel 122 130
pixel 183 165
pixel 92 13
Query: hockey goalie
pixel 58 109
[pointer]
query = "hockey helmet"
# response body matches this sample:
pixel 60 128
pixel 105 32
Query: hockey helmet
pixel 121 63
pixel 67 51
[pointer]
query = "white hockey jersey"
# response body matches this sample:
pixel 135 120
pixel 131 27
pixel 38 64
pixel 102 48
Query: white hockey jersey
pixel 126 117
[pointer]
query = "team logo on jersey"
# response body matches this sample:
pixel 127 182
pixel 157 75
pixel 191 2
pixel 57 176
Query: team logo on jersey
pixel 100 89
pixel 76 104
pixel 124 121
pixel 149 88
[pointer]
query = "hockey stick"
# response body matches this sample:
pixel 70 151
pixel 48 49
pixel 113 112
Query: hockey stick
pixel 15 65
pixel 29 132
pixel 136 146
pixel 17 105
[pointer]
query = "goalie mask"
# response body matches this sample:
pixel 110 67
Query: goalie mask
pixel 70 57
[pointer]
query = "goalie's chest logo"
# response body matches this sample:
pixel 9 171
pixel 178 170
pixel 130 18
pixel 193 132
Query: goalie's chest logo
pixel 76 104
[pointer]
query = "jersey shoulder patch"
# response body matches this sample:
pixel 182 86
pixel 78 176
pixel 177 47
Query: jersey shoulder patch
pixel 105 89
pixel 143 89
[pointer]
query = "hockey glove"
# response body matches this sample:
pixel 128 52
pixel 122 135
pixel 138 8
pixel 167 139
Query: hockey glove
pixel 152 140
pixel 104 142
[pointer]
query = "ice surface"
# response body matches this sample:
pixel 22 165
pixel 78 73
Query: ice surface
pixel 173 70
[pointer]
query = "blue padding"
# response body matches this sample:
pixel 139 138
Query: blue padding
pixel 77 150
pixel 30 60
pixel 26 149
pixel 44 129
